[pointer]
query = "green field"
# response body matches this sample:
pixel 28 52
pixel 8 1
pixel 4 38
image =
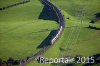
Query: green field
pixel 76 39
pixel 21 31
pixel 8 2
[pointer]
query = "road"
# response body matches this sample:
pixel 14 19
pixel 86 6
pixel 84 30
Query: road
pixel 55 38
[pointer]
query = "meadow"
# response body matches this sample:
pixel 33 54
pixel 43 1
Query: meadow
pixel 77 39
pixel 21 31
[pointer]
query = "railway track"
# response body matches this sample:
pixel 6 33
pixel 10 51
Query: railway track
pixel 55 38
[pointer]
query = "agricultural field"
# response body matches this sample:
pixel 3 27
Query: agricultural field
pixel 21 30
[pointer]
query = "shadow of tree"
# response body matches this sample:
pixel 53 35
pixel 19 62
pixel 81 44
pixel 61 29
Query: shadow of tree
pixel 63 64
pixel 48 14
pixel 93 27
pixel 97 15
pixel 43 30
pixel 70 64
pixel 96 58
pixel 47 41
pixel 61 49
pixel 97 18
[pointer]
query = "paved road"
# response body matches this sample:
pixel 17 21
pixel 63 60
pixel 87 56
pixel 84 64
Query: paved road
pixel 55 38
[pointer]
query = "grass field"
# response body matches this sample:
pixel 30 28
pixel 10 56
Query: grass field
pixel 21 31
pixel 76 39
pixel 8 2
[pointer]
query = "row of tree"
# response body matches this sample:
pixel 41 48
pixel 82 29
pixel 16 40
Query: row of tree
pixel 11 61
pixel 5 7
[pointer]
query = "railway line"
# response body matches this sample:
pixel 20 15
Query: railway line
pixel 55 38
